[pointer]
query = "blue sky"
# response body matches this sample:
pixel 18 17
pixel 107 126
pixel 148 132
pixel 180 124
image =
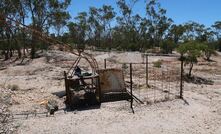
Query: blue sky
pixel 202 11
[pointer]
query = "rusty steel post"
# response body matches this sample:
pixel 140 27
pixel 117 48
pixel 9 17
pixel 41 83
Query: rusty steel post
pixel 66 88
pixel 99 89
pixel 181 79
pixel 105 63
pixel 65 78
pixel 131 87
pixel 147 70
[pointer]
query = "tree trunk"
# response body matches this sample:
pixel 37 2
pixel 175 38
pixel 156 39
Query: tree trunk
pixel 11 53
pixel 208 55
pixel 8 47
pixel 32 49
pixel 17 47
pixel 34 27
pixel 5 55
pixel 190 71
pixel 19 52
pixel 23 36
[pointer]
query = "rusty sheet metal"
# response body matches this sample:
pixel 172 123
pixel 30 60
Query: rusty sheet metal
pixel 111 80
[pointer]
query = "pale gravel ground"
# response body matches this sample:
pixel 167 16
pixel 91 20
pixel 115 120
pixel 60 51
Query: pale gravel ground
pixel 38 80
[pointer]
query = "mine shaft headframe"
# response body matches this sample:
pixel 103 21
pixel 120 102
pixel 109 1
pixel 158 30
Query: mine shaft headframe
pixel 45 38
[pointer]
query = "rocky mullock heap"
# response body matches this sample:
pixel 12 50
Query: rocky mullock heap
pixel 5 121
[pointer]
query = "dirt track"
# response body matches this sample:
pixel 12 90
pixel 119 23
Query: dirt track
pixel 38 79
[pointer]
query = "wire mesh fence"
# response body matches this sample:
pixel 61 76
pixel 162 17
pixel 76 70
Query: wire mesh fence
pixel 155 79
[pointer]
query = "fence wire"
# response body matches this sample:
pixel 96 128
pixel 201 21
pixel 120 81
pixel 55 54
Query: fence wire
pixel 163 78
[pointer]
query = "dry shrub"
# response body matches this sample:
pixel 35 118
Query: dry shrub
pixel 157 63
pixel 13 87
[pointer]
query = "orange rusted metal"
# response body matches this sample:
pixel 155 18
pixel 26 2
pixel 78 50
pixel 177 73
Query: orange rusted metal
pixel 111 80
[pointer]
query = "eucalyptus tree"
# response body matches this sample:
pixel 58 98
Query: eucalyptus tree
pixel 190 51
pixel 60 17
pixel 107 16
pixel 217 31
pixel 176 32
pixel 79 29
pixel 100 25
pixel 23 13
pixel 195 31
pixel 9 8
pixel 123 28
pixel 43 13
pixel 128 29
pixel 144 34
pixel 159 23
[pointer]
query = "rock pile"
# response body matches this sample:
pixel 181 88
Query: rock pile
pixel 6 126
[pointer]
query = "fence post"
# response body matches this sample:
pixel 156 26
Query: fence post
pixel 99 89
pixel 66 88
pixel 105 63
pixel 131 88
pixel 181 78
pixel 147 71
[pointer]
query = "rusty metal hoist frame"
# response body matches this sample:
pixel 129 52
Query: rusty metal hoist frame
pixel 101 86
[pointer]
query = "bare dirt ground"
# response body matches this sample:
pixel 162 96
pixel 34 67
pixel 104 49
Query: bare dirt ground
pixel 30 83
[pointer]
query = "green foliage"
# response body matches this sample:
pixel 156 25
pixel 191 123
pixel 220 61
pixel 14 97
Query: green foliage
pixel 94 28
pixel 167 46
pixel 191 48
pixel 60 20
pixel 159 23
pixel 209 50
pixel 219 45
pixel 176 32
pixel 217 29
pixel 157 64
pixel 190 51
pixel 42 15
